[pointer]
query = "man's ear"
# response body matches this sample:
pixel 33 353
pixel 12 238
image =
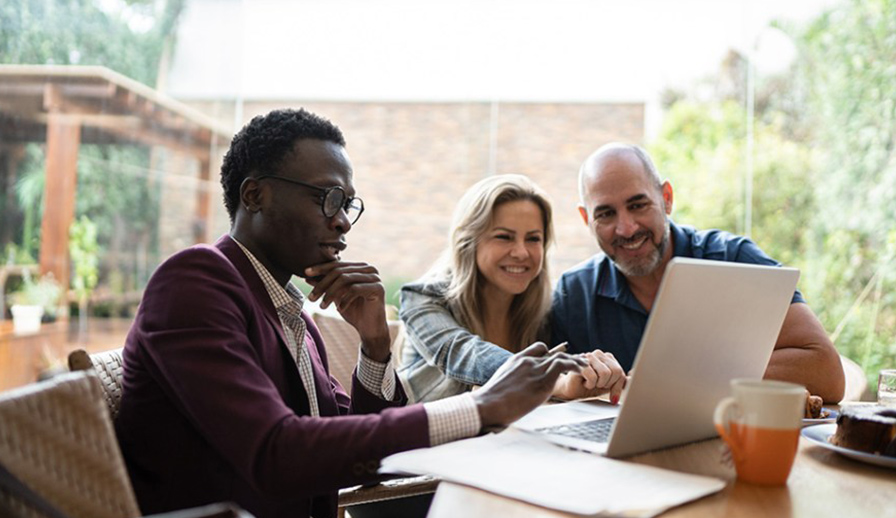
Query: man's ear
pixel 668 196
pixel 251 195
pixel 584 213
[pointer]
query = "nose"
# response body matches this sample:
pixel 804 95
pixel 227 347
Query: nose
pixel 340 222
pixel 519 250
pixel 625 224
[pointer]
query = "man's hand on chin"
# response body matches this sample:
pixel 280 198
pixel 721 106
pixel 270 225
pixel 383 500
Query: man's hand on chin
pixel 360 297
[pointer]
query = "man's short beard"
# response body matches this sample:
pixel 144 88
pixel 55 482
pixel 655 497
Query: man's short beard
pixel 650 263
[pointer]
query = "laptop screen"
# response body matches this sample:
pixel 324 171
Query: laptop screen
pixel 711 322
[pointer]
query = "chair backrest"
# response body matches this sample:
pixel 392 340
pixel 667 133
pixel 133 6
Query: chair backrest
pixel 108 367
pixel 856 381
pixel 57 437
pixel 342 343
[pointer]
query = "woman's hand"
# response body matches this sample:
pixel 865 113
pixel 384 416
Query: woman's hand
pixel 604 374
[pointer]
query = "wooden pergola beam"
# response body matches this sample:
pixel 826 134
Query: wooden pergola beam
pixel 132 129
pixel 68 105
pixel 63 141
pixel 202 232
pixel 27 89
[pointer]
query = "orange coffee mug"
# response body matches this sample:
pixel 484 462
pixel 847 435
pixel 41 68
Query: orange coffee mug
pixel 761 424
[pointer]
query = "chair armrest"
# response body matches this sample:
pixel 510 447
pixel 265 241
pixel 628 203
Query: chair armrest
pixel 220 510
pixel 79 360
pixel 388 490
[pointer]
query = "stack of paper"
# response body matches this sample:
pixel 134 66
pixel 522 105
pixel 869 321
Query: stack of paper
pixel 526 467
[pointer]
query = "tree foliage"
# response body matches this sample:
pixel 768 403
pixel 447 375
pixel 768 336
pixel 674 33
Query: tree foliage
pixel 850 67
pixel 126 36
pixel 114 191
pixel 83 249
pixel 701 149
pixel 825 171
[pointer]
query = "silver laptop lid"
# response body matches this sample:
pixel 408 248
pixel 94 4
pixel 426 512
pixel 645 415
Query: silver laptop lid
pixel 711 321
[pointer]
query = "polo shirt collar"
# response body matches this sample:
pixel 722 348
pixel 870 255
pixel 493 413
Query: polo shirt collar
pixel 612 285
pixel 681 242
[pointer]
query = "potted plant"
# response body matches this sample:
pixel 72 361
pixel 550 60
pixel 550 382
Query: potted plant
pixel 33 301
pixel 83 249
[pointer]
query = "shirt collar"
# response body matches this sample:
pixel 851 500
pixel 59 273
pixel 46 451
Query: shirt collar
pixel 612 284
pixel 681 242
pixel 281 296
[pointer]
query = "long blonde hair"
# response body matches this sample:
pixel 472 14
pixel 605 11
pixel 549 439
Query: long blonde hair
pixel 472 219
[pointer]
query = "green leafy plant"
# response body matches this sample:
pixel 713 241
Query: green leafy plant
pixel 83 250
pixel 44 292
pixel 13 254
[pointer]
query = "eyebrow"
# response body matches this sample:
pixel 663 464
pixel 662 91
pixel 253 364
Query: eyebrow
pixel 637 197
pixel 511 231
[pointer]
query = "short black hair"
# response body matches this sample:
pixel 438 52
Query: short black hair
pixel 262 144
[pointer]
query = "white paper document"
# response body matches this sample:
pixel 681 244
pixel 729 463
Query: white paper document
pixel 523 466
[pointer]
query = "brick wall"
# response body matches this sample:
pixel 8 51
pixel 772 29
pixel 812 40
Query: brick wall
pixel 413 161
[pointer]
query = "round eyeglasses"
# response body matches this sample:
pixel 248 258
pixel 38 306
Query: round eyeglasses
pixel 333 199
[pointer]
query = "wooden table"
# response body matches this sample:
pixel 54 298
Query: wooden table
pixel 822 484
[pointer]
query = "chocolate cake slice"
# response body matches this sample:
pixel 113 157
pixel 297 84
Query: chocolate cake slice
pixel 867 428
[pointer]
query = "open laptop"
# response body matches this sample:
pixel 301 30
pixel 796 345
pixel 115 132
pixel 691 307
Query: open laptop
pixel 711 321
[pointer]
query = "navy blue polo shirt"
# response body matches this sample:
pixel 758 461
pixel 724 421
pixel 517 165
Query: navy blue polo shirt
pixel 593 307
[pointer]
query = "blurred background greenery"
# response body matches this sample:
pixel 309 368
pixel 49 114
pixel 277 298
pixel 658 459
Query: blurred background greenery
pixel 825 171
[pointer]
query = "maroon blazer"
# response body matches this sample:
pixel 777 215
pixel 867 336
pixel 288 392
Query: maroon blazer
pixel 213 408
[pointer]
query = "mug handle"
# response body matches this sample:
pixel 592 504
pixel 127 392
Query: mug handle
pixel 720 418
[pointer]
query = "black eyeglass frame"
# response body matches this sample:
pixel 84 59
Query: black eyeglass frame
pixel 344 206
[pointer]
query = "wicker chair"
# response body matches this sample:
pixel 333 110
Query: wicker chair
pixel 57 439
pixel 856 381
pixel 342 341
pixel 108 367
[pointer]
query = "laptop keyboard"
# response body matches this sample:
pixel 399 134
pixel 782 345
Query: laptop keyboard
pixel 597 430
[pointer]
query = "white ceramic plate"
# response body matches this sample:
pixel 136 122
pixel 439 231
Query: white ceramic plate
pixel 831 416
pixel 819 435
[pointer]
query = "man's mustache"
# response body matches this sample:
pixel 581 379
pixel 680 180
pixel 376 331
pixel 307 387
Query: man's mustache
pixel 637 236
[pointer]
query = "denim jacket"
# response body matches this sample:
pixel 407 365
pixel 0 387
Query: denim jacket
pixel 441 357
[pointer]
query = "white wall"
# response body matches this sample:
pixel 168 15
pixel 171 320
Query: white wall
pixel 407 50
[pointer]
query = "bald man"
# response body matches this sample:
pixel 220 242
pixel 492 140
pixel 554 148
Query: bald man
pixel 603 303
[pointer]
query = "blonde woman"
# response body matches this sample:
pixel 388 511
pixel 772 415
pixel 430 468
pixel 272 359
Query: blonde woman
pixel 487 297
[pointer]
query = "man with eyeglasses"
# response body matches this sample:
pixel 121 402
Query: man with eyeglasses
pixel 226 392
